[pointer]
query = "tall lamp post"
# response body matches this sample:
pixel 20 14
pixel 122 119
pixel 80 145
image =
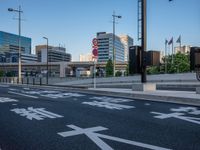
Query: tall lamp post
pixel 47 75
pixel 144 40
pixel 114 54
pixel 19 11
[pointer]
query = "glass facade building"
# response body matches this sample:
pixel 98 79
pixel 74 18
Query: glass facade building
pixel 9 46
pixel 105 47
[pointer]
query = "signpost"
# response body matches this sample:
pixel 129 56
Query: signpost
pixel 95 56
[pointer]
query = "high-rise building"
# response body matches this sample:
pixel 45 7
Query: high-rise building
pixel 55 54
pixel 183 49
pixel 127 41
pixel 9 43
pixel 9 48
pixel 105 47
pixel 86 57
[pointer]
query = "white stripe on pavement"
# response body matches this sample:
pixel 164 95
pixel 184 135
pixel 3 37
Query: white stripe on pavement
pixel 22 94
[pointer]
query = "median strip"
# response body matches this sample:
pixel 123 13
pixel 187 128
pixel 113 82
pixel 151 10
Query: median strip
pixel 22 94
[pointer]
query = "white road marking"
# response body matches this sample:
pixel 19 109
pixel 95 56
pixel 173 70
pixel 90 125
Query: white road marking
pixel 6 99
pixel 35 113
pixel 14 104
pixel 4 86
pixel 108 105
pixel 110 99
pixel 96 138
pixel 189 110
pixel 147 104
pixel 178 116
pixel 22 94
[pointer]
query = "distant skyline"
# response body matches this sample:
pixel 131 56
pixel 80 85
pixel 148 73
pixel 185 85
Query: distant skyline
pixel 74 23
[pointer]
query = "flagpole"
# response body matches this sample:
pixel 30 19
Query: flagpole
pixel 166 55
pixel 180 42
pixel 172 51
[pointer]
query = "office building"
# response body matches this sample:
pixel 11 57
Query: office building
pixel 9 48
pixel 153 58
pixel 55 54
pixel 9 43
pixel 134 60
pixel 105 47
pixel 127 41
pixel 86 57
pixel 183 49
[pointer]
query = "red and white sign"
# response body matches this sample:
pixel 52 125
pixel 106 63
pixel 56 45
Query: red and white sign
pixel 95 48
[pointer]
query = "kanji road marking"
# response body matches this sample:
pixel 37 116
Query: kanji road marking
pixel 96 138
pixel 178 116
pixel 35 113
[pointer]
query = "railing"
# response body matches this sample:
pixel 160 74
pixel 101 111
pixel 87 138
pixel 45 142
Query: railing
pixel 197 72
pixel 29 80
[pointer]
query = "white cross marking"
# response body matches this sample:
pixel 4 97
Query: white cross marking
pixel 96 138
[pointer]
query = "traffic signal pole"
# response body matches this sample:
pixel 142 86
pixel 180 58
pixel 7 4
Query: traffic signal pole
pixel 144 42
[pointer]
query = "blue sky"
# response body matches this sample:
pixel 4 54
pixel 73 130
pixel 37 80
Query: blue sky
pixel 74 23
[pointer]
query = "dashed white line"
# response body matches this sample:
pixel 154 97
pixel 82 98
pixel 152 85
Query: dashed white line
pixel 22 94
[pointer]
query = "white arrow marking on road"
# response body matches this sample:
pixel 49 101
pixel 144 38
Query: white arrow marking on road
pixel 95 137
pixel 23 94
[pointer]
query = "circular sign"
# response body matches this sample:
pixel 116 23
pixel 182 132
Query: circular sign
pixel 95 42
pixel 95 52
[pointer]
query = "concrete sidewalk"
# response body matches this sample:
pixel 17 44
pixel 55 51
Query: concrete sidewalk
pixel 180 97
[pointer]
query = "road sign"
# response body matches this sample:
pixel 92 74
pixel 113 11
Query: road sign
pixel 95 52
pixel 95 42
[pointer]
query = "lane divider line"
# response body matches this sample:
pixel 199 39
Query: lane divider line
pixel 22 94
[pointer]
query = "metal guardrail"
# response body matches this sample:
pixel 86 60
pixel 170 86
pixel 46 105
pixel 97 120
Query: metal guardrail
pixel 198 72
pixel 14 80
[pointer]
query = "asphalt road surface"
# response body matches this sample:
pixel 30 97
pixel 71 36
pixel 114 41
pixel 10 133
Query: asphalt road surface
pixel 43 119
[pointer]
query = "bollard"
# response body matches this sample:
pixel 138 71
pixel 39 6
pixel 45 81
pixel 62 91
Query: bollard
pixel 27 81
pixel 33 81
pixel 40 81
pixel 22 80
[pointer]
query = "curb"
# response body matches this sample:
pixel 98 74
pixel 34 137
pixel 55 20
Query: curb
pixel 146 97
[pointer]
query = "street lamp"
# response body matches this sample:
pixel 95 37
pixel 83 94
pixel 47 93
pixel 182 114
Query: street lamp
pixel 47 75
pixel 114 54
pixel 19 11
pixel 144 39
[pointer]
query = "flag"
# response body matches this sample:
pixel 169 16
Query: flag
pixel 166 41
pixel 171 41
pixel 178 40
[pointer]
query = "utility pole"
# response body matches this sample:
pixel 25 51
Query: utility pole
pixel 47 65
pixel 144 41
pixel 114 51
pixel 19 11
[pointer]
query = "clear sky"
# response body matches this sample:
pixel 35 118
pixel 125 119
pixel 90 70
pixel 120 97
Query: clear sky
pixel 74 23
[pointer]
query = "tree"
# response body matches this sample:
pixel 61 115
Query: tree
pixel 181 63
pixel 118 74
pixel 1 73
pixel 109 68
